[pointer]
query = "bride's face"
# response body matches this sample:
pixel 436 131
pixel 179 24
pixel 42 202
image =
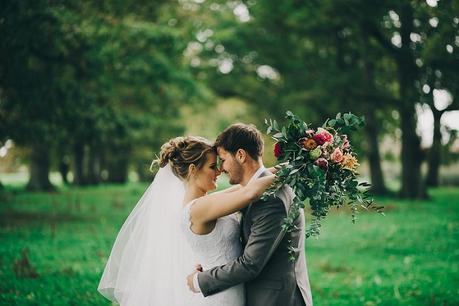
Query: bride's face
pixel 206 177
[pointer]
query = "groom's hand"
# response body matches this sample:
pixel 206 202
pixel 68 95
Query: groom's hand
pixel 189 280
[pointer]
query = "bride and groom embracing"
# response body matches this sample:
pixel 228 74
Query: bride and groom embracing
pixel 235 237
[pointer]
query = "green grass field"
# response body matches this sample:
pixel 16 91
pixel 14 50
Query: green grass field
pixel 53 248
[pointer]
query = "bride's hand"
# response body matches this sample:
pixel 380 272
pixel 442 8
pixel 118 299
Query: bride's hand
pixel 277 167
pixel 198 267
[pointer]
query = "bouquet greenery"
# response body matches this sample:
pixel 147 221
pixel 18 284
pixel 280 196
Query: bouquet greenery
pixel 320 166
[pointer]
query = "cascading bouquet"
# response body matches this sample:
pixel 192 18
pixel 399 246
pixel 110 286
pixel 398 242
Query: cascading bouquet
pixel 320 166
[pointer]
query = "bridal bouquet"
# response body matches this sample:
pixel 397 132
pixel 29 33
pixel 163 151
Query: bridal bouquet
pixel 320 167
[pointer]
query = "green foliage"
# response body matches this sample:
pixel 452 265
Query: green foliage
pixel 78 75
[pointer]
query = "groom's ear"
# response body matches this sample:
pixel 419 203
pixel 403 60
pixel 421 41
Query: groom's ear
pixel 241 156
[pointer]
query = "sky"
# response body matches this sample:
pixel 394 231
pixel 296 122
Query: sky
pixel 442 100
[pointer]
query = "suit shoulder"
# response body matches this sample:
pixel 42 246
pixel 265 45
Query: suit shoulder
pixel 269 205
pixel 271 200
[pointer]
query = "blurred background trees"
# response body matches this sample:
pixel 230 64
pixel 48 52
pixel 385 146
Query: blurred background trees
pixel 92 89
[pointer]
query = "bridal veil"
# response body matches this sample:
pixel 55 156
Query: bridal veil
pixel 150 258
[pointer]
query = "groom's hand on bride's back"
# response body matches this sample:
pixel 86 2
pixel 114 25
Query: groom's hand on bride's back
pixel 189 280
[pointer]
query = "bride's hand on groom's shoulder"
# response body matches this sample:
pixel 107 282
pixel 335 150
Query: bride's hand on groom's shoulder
pixel 277 167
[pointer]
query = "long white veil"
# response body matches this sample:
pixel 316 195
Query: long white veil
pixel 150 259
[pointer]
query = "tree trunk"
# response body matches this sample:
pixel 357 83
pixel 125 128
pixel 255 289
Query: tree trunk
pixel 78 164
pixel 412 183
pixel 64 169
pixel 39 169
pixel 94 165
pixel 117 163
pixel 434 158
pixel 372 130
pixel 374 159
pixel 118 170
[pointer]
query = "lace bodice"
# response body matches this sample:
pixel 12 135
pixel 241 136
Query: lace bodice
pixel 217 248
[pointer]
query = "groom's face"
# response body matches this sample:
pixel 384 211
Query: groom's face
pixel 230 166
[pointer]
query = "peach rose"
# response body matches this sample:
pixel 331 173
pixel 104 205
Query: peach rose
pixel 337 156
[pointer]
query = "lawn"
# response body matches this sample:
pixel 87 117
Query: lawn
pixel 53 248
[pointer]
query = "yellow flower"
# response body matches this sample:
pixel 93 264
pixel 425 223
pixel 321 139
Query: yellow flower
pixel 349 162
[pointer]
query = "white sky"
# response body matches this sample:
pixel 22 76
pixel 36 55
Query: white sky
pixel 425 117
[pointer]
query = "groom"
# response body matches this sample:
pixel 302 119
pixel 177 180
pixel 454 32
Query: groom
pixel 270 277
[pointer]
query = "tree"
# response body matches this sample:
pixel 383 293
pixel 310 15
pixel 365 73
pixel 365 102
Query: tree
pixel 439 78
pixel 405 30
pixel 329 46
pixel 298 59
pixel 87 79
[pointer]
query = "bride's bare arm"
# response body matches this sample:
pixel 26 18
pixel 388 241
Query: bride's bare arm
pixel 213 206
pixel 273 170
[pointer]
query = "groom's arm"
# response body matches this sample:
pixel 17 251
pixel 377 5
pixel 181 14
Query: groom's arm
pixel 266 218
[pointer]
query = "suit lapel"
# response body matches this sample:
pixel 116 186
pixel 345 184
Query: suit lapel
pixel 245 224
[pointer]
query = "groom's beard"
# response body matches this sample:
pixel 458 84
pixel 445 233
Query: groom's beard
pixel 236 174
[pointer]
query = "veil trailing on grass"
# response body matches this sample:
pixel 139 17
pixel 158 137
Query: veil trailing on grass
pixel 150 259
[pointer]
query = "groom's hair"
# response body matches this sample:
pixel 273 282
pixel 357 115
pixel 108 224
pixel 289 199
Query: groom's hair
pixel 241 136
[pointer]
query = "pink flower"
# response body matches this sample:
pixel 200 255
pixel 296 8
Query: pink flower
pixel 322 163
pixel 322 136
pixel 277 150
pixel 337 156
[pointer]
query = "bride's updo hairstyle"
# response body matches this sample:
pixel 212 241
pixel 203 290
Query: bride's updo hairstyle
pixel 181 152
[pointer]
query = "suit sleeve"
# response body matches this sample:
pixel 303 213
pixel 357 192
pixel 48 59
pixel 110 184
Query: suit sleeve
pixel 266 220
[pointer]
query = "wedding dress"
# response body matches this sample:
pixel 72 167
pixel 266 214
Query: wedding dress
pixel 220 246
pixel 156 250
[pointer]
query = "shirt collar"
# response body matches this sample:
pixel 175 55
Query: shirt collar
pixel 257 173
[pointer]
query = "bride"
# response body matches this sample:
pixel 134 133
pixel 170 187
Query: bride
pixel 175 225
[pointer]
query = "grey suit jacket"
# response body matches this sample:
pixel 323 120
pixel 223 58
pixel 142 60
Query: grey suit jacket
pixel 271 279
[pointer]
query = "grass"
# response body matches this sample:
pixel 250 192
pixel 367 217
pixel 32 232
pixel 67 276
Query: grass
pixel 53 249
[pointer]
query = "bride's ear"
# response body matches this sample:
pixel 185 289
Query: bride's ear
pixel 191 170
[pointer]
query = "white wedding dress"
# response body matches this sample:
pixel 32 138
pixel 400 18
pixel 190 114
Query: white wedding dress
pixel 217 248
